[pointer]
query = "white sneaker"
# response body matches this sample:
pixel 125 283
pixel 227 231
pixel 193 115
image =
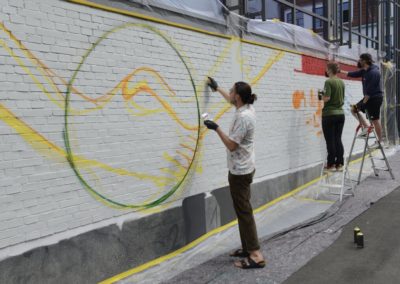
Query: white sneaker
pixel 329 169
pixel 375 145
pixel 385 145
pixel 363 133
pixel 339 168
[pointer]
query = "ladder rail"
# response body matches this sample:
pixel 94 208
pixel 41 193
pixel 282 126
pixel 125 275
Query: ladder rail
pixel 363 159
pixel 387 163
pixel 368 150
pixel 345 175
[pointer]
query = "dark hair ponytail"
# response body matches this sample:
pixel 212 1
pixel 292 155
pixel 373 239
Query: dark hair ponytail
pixel 253 98
pixel 244 91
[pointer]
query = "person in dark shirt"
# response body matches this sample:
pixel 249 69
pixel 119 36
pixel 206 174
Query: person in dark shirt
pixel 373 95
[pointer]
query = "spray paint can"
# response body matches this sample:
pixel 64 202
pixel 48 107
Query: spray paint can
pixel 205 116
pixel 360 240
pixel 356 231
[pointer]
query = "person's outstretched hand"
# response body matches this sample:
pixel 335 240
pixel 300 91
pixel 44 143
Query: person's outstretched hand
pixel 211 124
pixel 212 84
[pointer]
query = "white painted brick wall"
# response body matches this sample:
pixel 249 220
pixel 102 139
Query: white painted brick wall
pixel 40 195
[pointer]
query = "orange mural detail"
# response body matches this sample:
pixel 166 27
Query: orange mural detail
pixel 313 99
pixel 297 98
pixel 313 119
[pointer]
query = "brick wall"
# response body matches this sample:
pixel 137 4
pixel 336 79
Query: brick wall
pixel 129 138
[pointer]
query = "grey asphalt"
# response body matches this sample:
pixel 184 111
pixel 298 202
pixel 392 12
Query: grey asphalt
pixel 321 250
pixel 377 262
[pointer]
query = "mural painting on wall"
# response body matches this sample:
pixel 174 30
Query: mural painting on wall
pixel 118 170
pixel 300 100
pixel 309 100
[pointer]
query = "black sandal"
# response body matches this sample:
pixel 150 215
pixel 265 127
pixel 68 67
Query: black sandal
pixel 239 253
pixel 250 263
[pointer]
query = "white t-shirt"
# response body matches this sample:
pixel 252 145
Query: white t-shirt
pixel 242 160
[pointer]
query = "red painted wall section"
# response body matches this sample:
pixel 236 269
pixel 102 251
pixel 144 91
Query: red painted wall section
pixel 316 66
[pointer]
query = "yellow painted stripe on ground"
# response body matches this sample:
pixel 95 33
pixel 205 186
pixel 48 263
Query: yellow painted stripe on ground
pixel 289 194
pixel 316 200
pixel 201 239
pixel 359 159
pixel 209 234
pixel 168 256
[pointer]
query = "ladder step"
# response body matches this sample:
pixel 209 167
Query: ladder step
pixel 365 137
pixel 369 152
pixel 382 169
pixel 334 185
pixel 374 147
pixel 378 159
pixel 338 193
pixel 331 185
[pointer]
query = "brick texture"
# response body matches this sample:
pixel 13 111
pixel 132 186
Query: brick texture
pixel 132 116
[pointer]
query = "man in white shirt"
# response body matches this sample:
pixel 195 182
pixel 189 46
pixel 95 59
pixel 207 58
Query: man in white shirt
pixel 241 164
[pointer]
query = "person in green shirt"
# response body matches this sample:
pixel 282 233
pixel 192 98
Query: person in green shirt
pixel 333 117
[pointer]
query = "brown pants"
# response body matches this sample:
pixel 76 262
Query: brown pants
pixel 240 192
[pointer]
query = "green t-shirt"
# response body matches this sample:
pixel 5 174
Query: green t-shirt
pixel 334 88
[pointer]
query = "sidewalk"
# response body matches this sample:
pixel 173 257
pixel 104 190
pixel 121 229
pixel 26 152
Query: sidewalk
pixel 287 253
pixel 292 232
pixel 377 262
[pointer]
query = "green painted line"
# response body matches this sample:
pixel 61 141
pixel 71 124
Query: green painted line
pixel 70 156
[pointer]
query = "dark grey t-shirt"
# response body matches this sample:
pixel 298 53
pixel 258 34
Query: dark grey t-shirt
pixel 371 80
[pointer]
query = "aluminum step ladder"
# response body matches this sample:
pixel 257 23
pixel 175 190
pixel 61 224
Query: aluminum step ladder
pixel 370 135
pixel 331 180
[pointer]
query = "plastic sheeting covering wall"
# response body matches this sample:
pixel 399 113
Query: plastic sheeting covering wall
pixel 291 35
pixel 207 8
pixel 388 110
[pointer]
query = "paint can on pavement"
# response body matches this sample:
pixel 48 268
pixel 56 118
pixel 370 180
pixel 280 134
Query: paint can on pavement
pixel 360 240
pixel 356 231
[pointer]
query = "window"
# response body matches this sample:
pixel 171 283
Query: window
pixel 299 18
pixel 289 17
pixel 318 22
pixel 345 12
pixel 253 6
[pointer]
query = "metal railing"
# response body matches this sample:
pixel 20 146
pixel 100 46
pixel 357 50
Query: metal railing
pixel 373 23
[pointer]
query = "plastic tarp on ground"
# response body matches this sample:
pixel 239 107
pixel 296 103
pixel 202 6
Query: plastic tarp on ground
pixel 289 215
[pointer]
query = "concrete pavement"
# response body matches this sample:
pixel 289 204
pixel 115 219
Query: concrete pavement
pixel 291 250
pixel 377 262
